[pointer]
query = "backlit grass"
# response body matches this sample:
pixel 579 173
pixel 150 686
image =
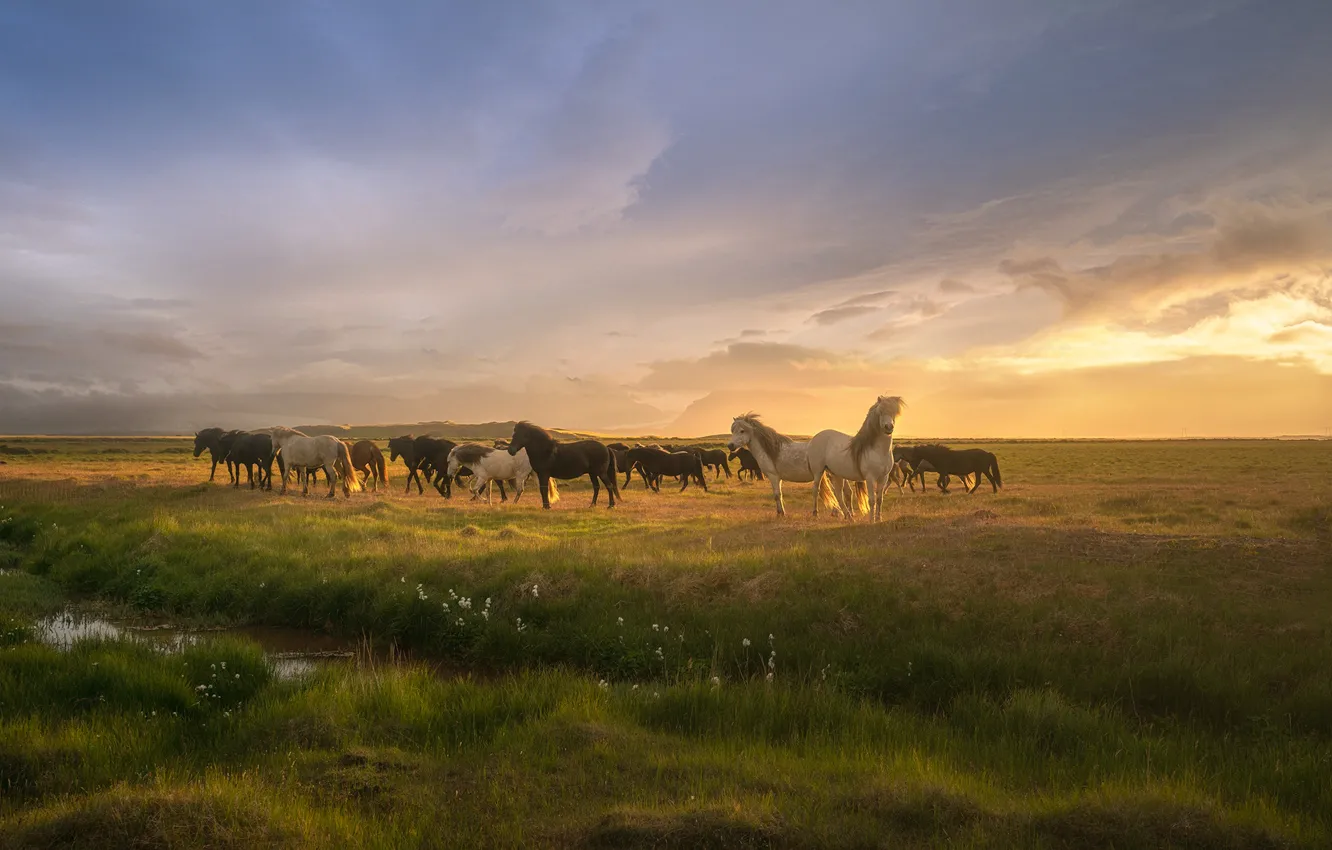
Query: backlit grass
pixel 1129 645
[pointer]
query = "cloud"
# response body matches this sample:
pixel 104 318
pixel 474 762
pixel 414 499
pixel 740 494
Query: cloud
pixel 1242 252
pixel 840 314
pixel 274 204
pixel 152 344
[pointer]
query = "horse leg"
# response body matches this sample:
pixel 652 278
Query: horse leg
pixel 543 484
pixel 609 479
pixel 214 470
pixel 596 487
pixel 504 497
pixel 818 486
pixel 777 495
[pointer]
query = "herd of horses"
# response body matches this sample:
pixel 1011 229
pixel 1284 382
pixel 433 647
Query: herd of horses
pixel 850 472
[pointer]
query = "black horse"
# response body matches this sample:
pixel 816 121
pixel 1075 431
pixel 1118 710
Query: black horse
pixel 218 443
pixel 552 459
pixel 748 463
pixel 428 455
pixel 621 453
pixel 255 451
pixel 716 459
pixel 960 462
pixel 655 463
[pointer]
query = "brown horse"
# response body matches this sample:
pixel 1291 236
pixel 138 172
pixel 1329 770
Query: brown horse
pixel 367 459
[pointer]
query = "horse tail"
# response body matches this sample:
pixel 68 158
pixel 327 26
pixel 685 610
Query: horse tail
pixel 726 467
pixel 614 485
pixel 860 497
pixel 994 467
pixel 343 465
pixel 378 460
pixel 826 494
pixel 554 494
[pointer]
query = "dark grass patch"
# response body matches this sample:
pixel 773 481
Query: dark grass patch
pixel 134 819
pixel 1149 825
pixel 703 829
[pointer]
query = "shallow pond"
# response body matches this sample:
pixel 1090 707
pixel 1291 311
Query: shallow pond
pixel 291 652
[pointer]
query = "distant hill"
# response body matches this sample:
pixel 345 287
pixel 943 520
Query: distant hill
pixel 479 432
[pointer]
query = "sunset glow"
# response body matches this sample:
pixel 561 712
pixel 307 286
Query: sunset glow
pixel 647 218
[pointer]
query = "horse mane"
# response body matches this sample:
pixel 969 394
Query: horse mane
pixel 209 432
pixel 768 439
pixel 280 431
pixel 469 453
pixel 869 431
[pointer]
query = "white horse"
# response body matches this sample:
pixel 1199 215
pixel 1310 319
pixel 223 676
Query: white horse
pixel 303 452
pixel 867 457
pixel 489 464
pixel 783 459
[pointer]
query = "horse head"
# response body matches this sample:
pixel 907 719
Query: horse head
pixel 398 446
pixel 741 433
pixel 888 409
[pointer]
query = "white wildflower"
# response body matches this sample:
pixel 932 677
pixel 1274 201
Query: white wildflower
pixel 745 642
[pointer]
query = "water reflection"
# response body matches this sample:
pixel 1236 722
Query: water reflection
pixel 291 653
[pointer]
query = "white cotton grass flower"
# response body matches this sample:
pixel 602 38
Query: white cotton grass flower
pixel 535 591
pixel 716 681
pixel 745 643
pixel 604 685
pixel 656 628
pixel 619 621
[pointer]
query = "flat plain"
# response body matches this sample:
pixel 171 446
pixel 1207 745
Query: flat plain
pixel 1130 645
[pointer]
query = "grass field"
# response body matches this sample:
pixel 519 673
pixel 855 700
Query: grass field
pixel 1129 646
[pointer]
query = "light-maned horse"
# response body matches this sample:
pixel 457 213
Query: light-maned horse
pixel 490 464
pixel 867 457
pixel 366 458
pixel 781 459
pixel 325 452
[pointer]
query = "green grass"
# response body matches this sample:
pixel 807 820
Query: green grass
pixel 1128 646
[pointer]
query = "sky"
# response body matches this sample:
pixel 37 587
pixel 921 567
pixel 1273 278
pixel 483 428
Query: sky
pixel 1108 218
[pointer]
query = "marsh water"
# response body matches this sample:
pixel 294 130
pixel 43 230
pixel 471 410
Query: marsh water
pixel 292 653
